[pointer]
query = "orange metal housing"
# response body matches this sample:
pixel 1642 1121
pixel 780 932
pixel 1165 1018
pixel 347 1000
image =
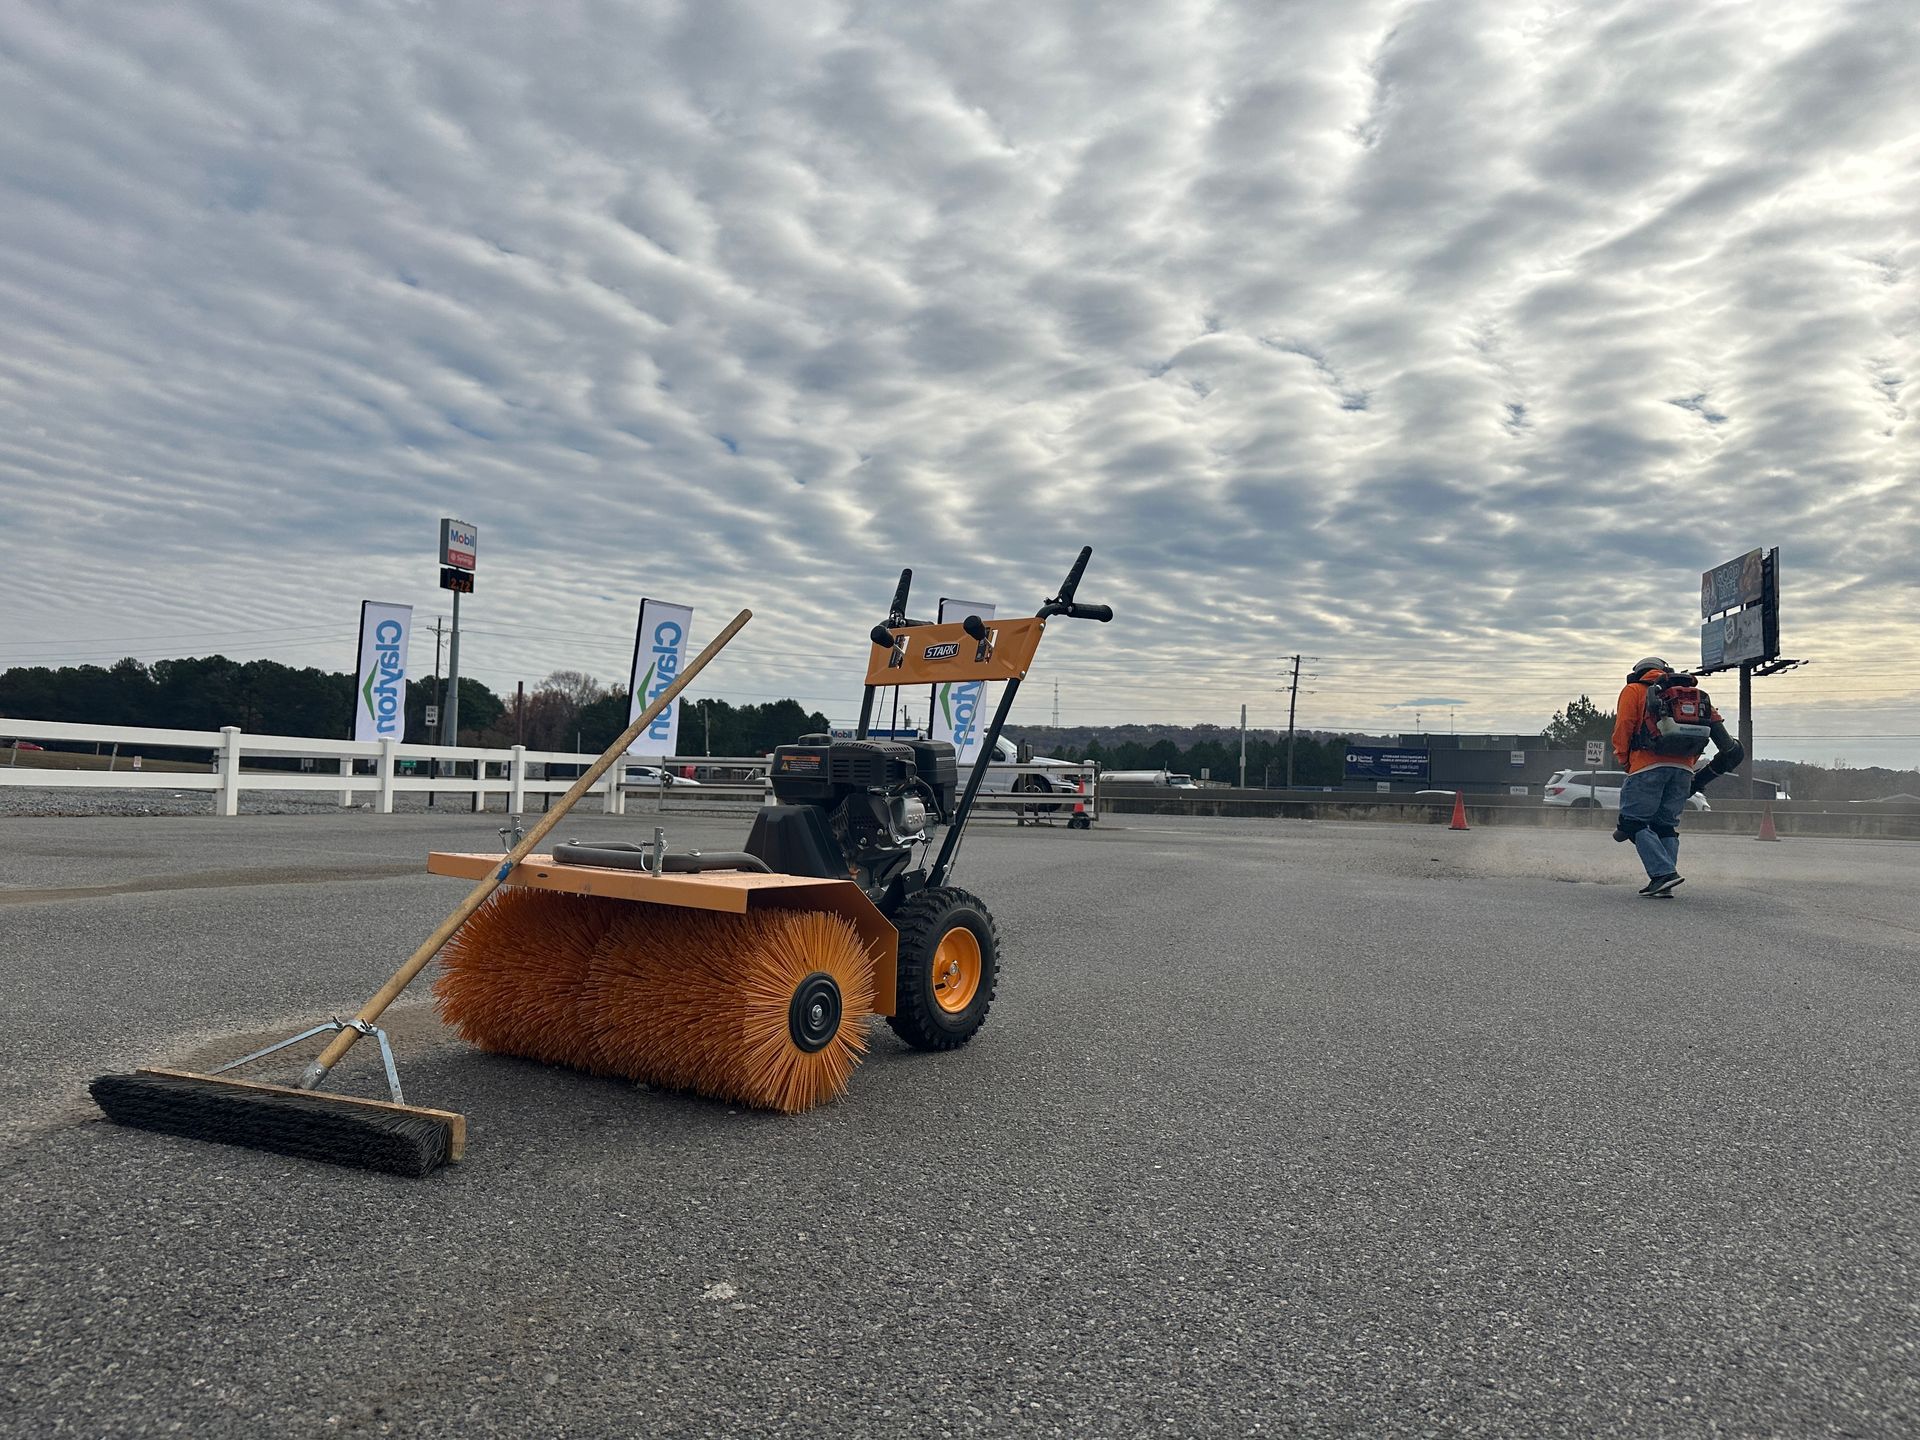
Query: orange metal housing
pixel 729 891
pixel 937 654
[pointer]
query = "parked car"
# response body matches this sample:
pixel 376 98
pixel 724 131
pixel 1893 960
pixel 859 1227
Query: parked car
pixel 1597 789
pixel 27 745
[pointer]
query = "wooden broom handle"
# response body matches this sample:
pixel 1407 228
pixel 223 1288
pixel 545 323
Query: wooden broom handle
pixel 430 947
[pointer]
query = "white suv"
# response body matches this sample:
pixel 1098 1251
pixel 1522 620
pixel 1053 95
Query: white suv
pixel 1587 789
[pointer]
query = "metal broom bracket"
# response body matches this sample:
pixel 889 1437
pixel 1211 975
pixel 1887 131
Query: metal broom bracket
pixel 330 1027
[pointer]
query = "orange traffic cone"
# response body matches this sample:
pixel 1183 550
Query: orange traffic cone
pixel 1767 832
pixel 1459 811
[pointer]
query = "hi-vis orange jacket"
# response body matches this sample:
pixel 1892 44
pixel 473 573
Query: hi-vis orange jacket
pixel 1632 714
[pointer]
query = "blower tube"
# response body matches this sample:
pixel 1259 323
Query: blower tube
pixel 618 855
pixel 1727 755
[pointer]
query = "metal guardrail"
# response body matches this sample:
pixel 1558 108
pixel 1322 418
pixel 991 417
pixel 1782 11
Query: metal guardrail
pixel 1024 793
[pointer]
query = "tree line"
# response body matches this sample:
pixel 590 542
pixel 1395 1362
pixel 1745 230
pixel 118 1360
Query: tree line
pixel 566 711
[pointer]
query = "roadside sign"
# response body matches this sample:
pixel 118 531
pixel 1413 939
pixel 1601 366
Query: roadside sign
pixel 433 717
pixel 459 544
pixel 1516 757
pixel 1596 752
pixel 1376 762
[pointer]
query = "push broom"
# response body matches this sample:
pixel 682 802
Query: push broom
pixel 388 1135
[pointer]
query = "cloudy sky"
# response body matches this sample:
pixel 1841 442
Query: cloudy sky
pixel 1444 341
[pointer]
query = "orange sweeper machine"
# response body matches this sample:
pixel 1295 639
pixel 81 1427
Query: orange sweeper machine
pixel 747 976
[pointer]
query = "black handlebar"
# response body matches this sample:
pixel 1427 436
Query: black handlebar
pixel 975 627
pixel 1072 582
pixel 881 635
pixel 898 610
pixel 1102 613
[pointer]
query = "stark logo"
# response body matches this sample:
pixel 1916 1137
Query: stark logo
pixel 941 652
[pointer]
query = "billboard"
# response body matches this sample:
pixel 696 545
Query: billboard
pixel 659 650
pixel 459 544
pixel 380 678
pixel 1751 632
pixel 959 709
pixel 1729 586
pixel 1374 762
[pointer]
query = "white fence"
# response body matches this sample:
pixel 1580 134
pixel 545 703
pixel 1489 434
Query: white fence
pixel 1023 792
pixel 393 768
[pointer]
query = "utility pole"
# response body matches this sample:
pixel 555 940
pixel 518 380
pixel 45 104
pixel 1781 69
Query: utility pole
pixel 1293 703
pixel 519 713
pixel 1056 704
pixel 1243 747
pixel 706 714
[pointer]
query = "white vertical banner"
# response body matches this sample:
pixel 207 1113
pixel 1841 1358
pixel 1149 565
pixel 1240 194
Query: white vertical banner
pixel 659 650
pixel 380 682
pixel 959 710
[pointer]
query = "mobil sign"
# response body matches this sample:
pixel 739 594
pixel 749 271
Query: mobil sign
pixel 459 544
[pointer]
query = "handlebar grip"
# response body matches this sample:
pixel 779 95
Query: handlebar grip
pixel 1073 576
pixel 899 608
pixel 881 635
pixel 1102 613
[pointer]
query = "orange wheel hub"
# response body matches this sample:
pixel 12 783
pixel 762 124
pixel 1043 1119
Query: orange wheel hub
pixel 956 970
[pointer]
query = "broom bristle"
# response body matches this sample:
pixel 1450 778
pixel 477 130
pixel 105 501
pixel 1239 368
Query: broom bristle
pixel 332 1128
pixel 685 999
pixel 512 974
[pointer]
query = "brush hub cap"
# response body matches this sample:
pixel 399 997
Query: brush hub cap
pixel 813 1015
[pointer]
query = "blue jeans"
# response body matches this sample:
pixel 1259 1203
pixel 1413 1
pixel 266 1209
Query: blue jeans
pixel 1656 796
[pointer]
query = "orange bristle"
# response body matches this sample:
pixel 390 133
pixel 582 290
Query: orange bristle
pixel 685 999
pixel 512 974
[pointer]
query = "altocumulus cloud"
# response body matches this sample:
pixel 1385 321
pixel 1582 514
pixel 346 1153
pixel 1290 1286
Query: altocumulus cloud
pixel 1442 341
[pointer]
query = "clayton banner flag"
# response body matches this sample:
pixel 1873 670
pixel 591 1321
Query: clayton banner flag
pixel 659 650
pixel 959 710
pixel 380 682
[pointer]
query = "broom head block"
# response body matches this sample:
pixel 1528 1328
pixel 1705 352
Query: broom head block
pixel 338 1129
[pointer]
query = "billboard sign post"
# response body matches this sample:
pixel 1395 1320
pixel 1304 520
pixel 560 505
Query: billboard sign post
pixel 459 556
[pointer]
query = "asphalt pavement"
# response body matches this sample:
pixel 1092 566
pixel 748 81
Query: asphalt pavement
pixel 1276 1128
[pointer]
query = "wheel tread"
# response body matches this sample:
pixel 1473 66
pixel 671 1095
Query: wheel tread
pixel 921 922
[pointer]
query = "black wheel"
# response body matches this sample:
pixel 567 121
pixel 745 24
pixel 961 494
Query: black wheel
pixel 1034 785
pixel 949 965
pixel 1080 822
pixel 1586 802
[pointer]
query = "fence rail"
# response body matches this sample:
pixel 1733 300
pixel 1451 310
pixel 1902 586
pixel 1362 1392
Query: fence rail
pixel 393 767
